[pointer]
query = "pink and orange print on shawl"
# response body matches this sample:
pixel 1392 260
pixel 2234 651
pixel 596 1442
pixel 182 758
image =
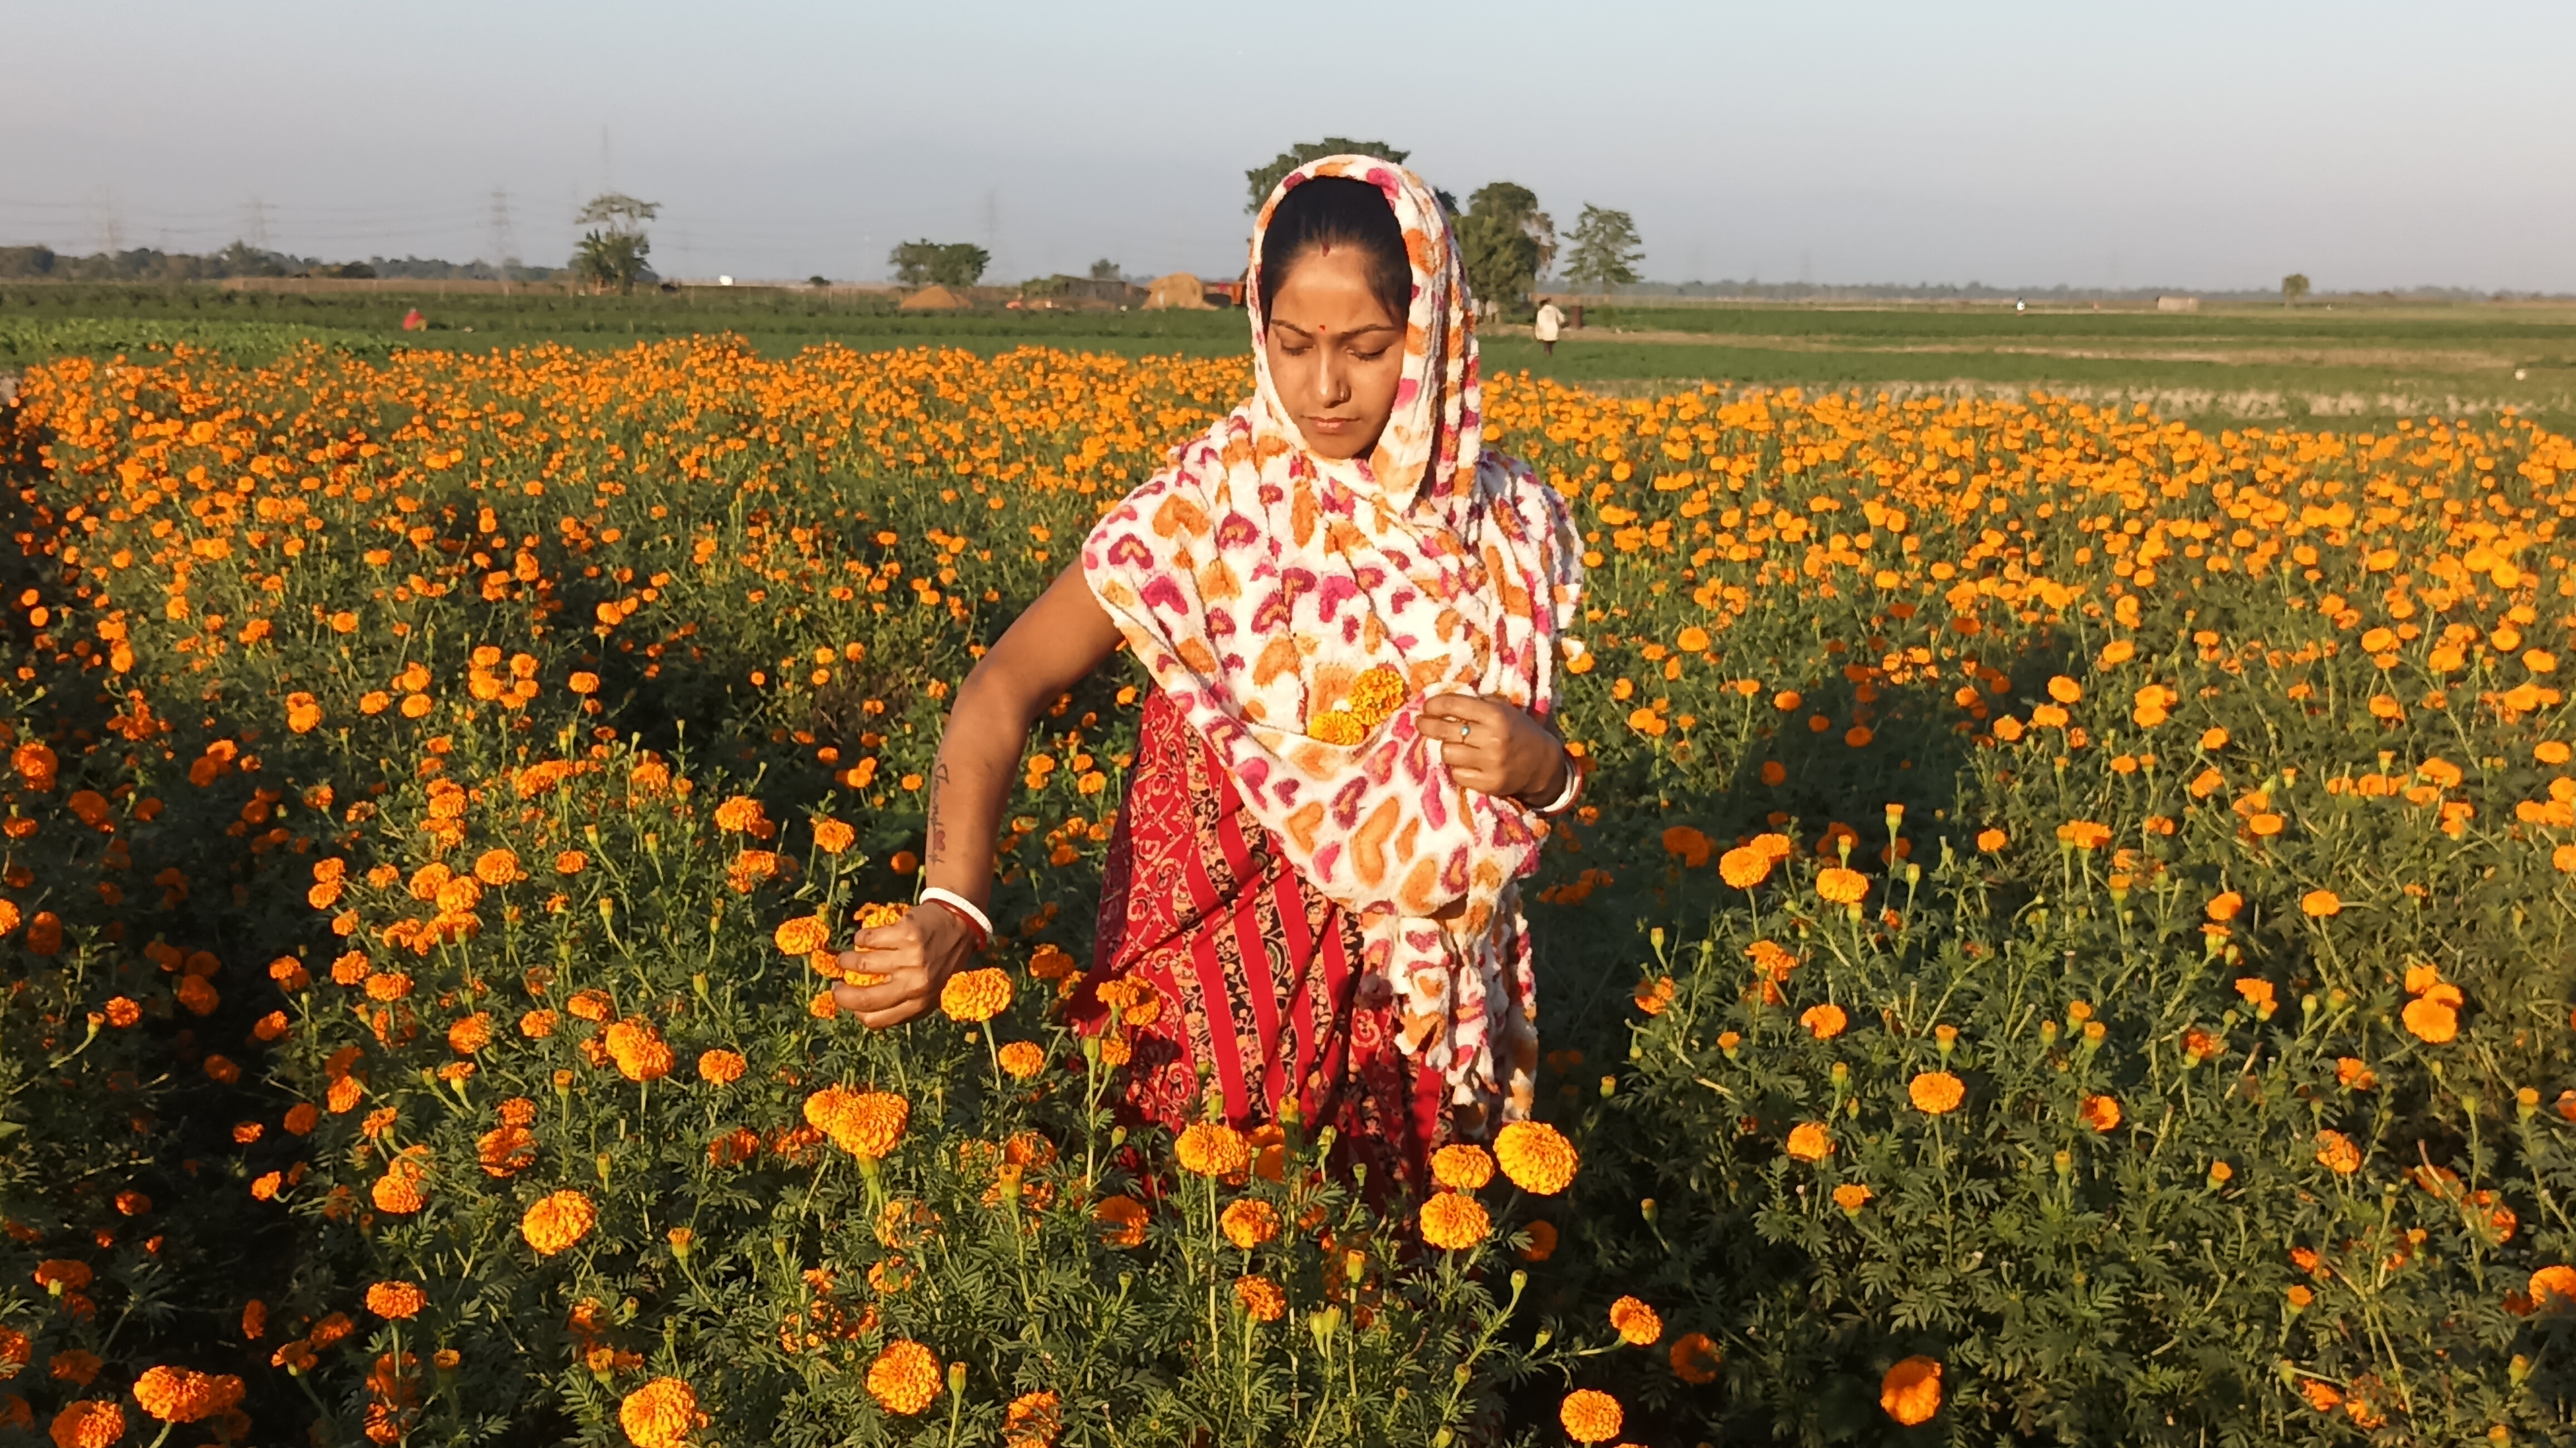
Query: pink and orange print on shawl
pixel 1298 610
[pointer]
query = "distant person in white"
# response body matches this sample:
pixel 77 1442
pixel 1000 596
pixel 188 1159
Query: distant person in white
pixel 1550 322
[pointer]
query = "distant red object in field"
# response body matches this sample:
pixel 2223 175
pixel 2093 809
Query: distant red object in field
pixel 413 321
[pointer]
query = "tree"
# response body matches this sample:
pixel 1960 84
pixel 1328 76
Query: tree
pixel 612 253
pixel 1606 250
pixel 1104 270
pixel 950 264
pixel 2293 287
pixel 1265 179
pixel 1506 242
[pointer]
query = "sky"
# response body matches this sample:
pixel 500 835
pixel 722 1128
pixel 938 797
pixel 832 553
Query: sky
pixel 2185 144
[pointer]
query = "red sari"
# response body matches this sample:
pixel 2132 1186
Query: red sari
pixel 1257 975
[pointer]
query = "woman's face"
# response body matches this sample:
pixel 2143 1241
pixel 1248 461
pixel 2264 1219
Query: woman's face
pixel 1335 354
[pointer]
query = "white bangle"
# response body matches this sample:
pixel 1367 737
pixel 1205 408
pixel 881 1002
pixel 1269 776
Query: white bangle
pixel 961 904
pixel 1573 787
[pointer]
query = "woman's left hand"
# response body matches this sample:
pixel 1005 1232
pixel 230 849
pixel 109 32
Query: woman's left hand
pixel 1497 748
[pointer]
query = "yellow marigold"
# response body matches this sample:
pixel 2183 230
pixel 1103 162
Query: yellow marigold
pixel 2337 1153
pixel 1336 726
pixel 558 1221
pixel 1033 1420
pixel 1911 1391
pixel 802 935
pixel 1841 886
pixel 1744 867
pixel 1023 1059
pixel 905 1377
pixel 1376 694
pixel 1463 1165
pixel 1212 1148
pixel 1261 1298
pixel 1937 1093
pixel 1537 1157
pixel 976 995
pixel 1824 1022
pixel 641 1053
pixel 1455 1221
pixel 1852 1196
pixel 1590 1416
pixel 2102 1113
pixel 721 1068
pixel 1636 1323
pixel 396 1299
pixel 1248 1222
pixel 661 1414
pixel 1810 1141
pixel 92 1424
pixel 1695 1358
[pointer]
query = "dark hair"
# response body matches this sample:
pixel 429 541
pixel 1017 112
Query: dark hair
pixel 1325 212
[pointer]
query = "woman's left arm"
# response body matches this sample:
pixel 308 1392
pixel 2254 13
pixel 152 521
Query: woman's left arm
pixel 1499 749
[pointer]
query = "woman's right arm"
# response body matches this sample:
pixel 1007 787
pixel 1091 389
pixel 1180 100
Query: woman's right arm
pixel 1045 652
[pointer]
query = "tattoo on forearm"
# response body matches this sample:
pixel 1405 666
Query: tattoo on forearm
pixel 938 834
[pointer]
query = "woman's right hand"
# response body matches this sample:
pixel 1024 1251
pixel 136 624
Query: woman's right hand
pixel 916 955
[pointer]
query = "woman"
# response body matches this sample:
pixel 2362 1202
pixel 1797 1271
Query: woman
pixel 1350 611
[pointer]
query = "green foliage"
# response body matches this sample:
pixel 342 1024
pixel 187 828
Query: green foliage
pixel 2294 286
pixel 1506 242
pixel 1605 251
pixel 1105 270
pixel 948 264
pixel 612 260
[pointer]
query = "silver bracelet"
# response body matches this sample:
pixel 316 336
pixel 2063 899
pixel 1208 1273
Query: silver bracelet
pixel 1573 787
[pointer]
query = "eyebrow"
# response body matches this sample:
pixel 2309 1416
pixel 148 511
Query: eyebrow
pixel 1353 332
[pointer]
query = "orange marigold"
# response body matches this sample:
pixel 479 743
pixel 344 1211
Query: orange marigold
pixel 2102 1113
pixel 2338 1153
pixel 721 1068
pixel 1122 1221
pixel 1211 1148
pixel 396 1299
pixel 905 1377
pixel 1911 1391
pixel 976 995
pixel 661 1414
pixel 1636 1323
pixel 1262 1299
pixel 867 1124
pixel 1841 886
pixel 640 1051
pixel 1590 1416
pixel 1455 1221
pixel 1744 867
pixel 1824 1022
pixel 1695 1358
pixel 1249 1222
pixel 92 1424
pixel 1852 1196
pixel 802 935
pixel 1810 1141
pixel 2321 903
pixel 1033 1420
pixel 557 1221
pixel 1463 1165
pixel 1537 1157
pixel 1936 1093
pixel 1023 1059
pixel 2554 1286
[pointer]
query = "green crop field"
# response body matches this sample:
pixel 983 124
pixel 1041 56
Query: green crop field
pixel 2318 366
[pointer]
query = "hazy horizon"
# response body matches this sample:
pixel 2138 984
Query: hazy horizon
pixel 2369 145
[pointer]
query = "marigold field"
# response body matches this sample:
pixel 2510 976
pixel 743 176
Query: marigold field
pixel 2068 939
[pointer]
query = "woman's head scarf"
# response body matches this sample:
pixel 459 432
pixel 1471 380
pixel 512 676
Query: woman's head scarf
pixel 1298 610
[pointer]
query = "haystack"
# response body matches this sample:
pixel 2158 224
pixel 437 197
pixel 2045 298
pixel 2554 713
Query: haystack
pixel 1178 292
pixel 934 298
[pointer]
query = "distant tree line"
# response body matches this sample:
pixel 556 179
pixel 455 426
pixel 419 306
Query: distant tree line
pixel 150 264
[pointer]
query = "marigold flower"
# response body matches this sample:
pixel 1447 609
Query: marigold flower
pixel 1636 1323
pixel 1744 867
pixel 1936 1093
pixel 661 1414
pixel 2553 1286
pixel 2102 1113
pixel 1541 1243
pixel 1122 1221
pixel 1022 1059
pixel 2430 1020
pixel 558 1221
pixel 1455 1221
pixel 1536 1156
pixel 1262 1299
pixel 905 1377
pixel 1842 886
pixel 866 1124
pixel 802 935
pixel 640 1051
pixel 1211 1148
pixel 2321 903
pixel 1248 1222
pixel 1992 841
pixel 470 1034
pixel 1810 1141
pixel 1694 1358
pixel 1911 1391
pixel 1824 1022
pixel 1590 1416
pixel 2322 1396
pixel 721 1068
pixel 1852 1196
pixel 396 1299
pixel 397 1192
pixel 1462 1166
pixel 976 995
pixel 506 1150
pixel 1687 845
pixel 1032 1421
pixel 498 867
pixel 2338 1153
pixel 94 1423
pixel 571 862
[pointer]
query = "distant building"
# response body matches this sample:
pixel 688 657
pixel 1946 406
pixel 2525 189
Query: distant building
pixel 2177 304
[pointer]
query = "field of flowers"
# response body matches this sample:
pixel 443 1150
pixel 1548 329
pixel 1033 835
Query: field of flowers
pixel 2068 939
